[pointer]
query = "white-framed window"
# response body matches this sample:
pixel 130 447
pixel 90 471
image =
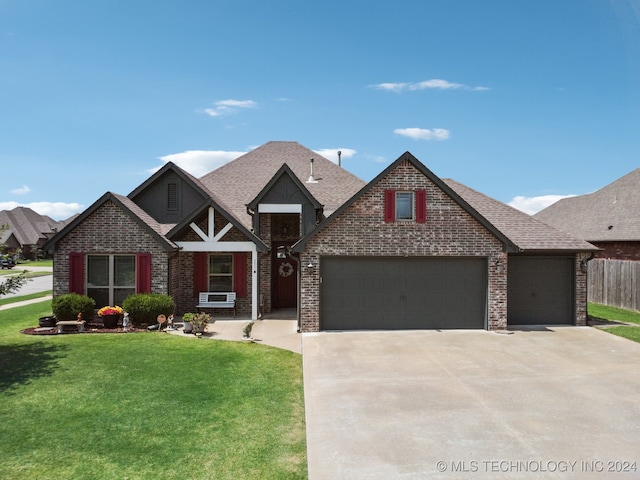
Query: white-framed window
pixel 110 278
pixel 221 273
pixel 405 206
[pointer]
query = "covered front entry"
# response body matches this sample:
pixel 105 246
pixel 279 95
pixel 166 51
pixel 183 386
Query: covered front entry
pixel 285 279
pixel 540 290
pixel 391 293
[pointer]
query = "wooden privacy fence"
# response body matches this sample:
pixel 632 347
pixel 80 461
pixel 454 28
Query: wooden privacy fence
pixel 614 282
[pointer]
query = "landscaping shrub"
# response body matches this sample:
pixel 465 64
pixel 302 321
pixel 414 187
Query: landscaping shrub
pixel 144 308
pixel 66 307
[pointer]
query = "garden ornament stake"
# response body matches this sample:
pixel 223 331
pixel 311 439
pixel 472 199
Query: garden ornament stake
pixel 246 331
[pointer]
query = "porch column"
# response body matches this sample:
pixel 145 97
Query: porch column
pixel 254 284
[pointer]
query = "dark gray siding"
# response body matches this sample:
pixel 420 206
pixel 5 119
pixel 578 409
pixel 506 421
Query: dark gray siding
pixel 156 201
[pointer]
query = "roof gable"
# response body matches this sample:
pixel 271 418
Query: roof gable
pixel 169 194
pixel 408 157
pixel 138 215
pixel 291 190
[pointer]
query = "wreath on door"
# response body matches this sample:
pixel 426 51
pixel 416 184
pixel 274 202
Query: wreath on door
pixel 286 269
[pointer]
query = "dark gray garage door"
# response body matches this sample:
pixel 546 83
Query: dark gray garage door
pixel 540 290
pixel 366 293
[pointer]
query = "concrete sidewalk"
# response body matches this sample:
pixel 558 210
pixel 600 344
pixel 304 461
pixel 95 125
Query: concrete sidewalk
pixel 273 332
pixel 25 302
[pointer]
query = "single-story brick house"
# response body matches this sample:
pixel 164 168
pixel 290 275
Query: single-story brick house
pixel 406 250
pixel 608 218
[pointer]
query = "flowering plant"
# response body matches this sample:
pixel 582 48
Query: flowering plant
pixel 110 311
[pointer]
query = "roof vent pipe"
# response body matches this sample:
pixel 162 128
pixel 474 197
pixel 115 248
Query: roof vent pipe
pixel 311 177
pixel 339 158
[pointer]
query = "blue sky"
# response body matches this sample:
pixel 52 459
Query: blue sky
pixel 515 98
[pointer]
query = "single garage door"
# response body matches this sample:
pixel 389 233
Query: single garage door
pixel 540 290
pixel 367 293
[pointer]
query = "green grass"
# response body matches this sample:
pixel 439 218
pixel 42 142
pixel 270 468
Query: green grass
pixel 613 313
pixel 17 271
pixel 20 298
pixel 36 263
pixel 632 333
pixel 146 405
pixel 616 314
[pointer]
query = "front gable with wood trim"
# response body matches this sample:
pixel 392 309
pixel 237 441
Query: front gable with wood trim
pixel 208 235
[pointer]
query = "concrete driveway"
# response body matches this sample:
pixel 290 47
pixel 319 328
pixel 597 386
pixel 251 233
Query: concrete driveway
pixel 556 402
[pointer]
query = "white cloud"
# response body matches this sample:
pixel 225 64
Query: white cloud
pixel 332 153
pixel 392 87
pixel 423 133
pixel 237 103
pixel 23 190
pixel 55 210
pixel 434 83
pixel 223 107
pixel 533 205
pixel 199 162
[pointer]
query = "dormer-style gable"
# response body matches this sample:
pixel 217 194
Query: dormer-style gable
pixel 169 194
pixel 285 193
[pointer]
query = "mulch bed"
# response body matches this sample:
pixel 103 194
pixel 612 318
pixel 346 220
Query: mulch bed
pixel 90 327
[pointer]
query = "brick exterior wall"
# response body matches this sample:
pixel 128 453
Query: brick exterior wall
pixel 109 230
pixel 581 290
pixel 618 250
pixel 264 264
pixel 360 230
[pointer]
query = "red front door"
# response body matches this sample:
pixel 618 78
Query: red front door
pixel 285 282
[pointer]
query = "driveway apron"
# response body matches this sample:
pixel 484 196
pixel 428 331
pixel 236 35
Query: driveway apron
pixel 547 402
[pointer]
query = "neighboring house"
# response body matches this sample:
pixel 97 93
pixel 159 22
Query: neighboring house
pixel 26 230
pixel 406 250
pixel 608 218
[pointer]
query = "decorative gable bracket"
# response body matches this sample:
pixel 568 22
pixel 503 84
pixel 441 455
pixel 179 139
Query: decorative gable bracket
pixel 211 241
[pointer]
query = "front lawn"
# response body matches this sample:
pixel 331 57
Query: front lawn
pixel 146 405
pixel 615 314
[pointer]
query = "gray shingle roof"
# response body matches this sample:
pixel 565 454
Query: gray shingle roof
pixel 160 228
pixel 136 213
pixel 609 214
pixel 241 180
pixel 527 233
pixel 27 226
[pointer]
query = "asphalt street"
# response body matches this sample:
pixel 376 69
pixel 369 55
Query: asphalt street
pixel 35 285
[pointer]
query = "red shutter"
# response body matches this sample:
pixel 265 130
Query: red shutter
pixel 76 273
pixel 200 271
pixel 143 273
pixel 389 206
pixel 240 274
pixel 421 206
